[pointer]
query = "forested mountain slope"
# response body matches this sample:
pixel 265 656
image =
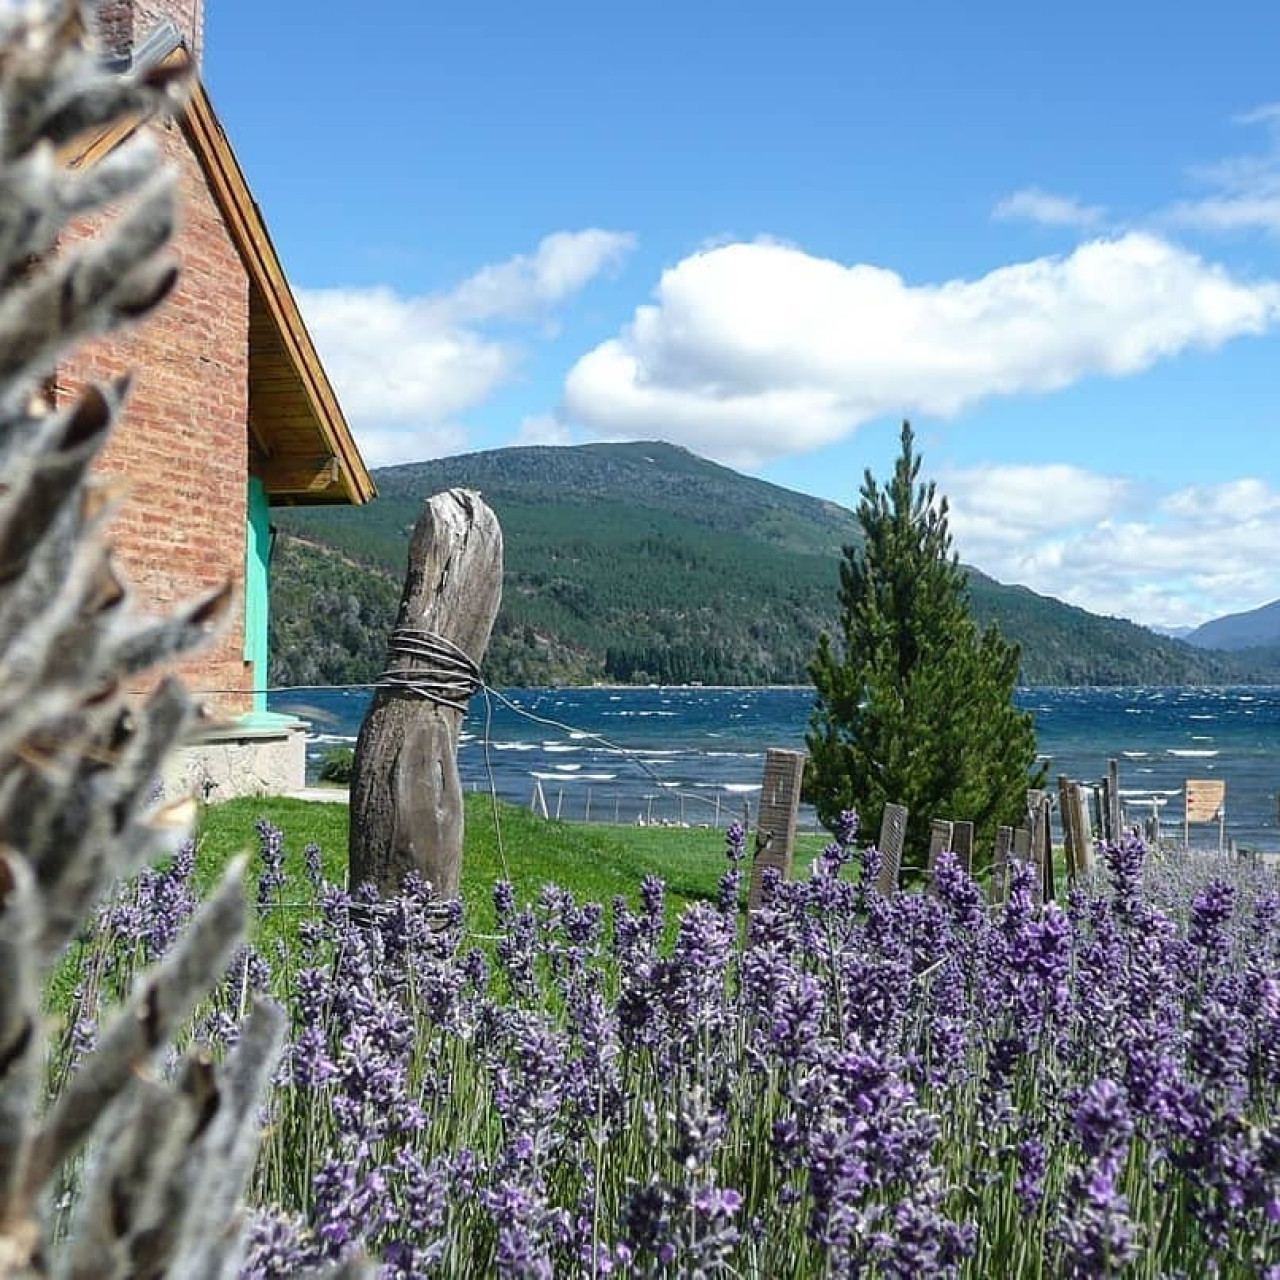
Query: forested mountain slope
pixel 645 563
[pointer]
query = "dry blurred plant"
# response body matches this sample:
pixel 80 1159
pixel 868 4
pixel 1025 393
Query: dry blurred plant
pixel 166 1159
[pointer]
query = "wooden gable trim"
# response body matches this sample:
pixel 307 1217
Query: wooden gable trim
pixel 244 220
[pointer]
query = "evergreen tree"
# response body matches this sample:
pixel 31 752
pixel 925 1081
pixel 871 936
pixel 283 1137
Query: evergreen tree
pixel 915 706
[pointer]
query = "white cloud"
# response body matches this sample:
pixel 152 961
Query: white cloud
pixel 525 285
pixel 755 350
pixel 385 446
pixel 1015 521
pixel 1243 191
pixel 394 359
pixel 543 428
pixel 406 367
pixel 1231 503
pixel 1103 543
pixel 1031 204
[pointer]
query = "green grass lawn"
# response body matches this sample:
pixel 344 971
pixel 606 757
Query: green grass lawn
pixel 594 862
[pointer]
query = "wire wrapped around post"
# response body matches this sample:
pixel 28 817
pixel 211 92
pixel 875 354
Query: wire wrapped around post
pixel 430 667
pixel 406 794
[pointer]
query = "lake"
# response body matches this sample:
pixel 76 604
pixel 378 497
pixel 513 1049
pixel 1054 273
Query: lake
pixel 696 754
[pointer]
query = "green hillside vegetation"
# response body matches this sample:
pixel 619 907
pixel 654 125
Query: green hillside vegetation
pixel 644 563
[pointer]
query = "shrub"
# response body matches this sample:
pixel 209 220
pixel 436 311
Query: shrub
pixel 336 766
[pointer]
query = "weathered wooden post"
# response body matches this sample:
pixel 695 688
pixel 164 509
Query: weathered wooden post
pixel 893 832
pixel 939 842
pixel 406 795
pixel 1038 806
pixel 776 818
pixel 1068 813
pixel 1084 849
pixel 998 889
pixel 1044 847
pixel 1114 820
pixel 962 843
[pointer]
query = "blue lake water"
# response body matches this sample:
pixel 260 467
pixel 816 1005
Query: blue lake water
pixel 696 754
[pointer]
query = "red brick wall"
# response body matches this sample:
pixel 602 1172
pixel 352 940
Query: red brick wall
pixel 122 24
pixel 182 444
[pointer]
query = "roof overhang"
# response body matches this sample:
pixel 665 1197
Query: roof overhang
pixel 302 448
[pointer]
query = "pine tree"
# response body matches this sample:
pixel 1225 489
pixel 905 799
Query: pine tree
pixel 915 706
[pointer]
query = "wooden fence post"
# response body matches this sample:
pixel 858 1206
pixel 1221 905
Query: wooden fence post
pixel 1084 850
pixel 998 888
pixel 776 817
pixel 406 796
pixel 1045 843
pixel 1068 813
pixel 1114 819
pixel 962 843
pixel 1041 842
pixel 893 832
pixel 939 842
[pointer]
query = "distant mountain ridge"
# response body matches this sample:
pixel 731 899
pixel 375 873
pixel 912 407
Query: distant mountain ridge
pixel 643 562
pixel 1248 630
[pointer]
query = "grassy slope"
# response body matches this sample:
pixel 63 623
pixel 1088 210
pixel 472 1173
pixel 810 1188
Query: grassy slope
pixel 595 863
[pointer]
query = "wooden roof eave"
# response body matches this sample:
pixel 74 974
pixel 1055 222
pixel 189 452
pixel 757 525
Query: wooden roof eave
pixel 244 220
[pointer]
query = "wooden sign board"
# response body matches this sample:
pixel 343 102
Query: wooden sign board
pixel 1205 799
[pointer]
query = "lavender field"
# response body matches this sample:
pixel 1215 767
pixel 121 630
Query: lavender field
pixel 847 1085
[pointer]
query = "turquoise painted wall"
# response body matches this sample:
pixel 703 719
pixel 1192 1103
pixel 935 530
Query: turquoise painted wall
pixel 256 589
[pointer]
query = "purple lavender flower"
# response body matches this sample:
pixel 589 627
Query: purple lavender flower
pixel 504 900
pixel 1124 859
pixel 958 891
pixel 1102 1122
pixel 1032 1164
pixel 271 877
pixel 311 860
pixel 279 1246
pixel 735 838
pixel 729 890
pixel 1095 1232
pixel 653 902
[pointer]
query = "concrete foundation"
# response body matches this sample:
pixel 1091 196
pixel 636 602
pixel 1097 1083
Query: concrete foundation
pixel 259 755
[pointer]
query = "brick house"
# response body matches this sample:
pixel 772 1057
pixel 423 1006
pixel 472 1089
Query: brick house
pixel 230 414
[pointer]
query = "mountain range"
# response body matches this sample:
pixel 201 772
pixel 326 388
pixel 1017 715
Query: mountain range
pixel 645 563
pixel 1257 627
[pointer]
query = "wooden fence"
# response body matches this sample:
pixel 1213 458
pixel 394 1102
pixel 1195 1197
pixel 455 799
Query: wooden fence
pixel 1087 813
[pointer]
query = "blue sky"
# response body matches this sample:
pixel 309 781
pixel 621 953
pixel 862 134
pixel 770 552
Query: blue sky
pixel 769 232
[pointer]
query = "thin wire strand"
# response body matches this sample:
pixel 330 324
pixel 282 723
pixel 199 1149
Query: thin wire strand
pixel 493 783
pixel 490 692
pixel 625 752
pixel 439 671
